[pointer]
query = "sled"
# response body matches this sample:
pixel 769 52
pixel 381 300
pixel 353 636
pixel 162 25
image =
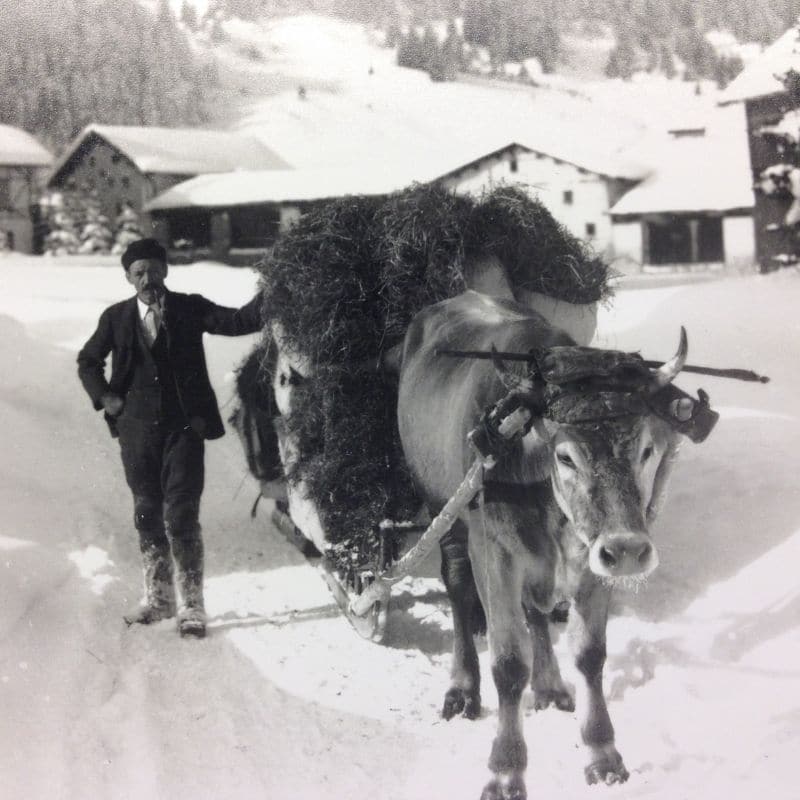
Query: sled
pixel 370 626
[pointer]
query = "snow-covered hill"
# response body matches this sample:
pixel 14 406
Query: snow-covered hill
pixel 283 700
pixel 322 91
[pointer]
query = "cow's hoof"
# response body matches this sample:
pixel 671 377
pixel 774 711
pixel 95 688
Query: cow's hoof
pixel 458 701
pixel 608 770
pixel 505 788
pixel 560 698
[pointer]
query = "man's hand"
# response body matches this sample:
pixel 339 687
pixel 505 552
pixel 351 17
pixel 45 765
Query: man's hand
pixel 112 404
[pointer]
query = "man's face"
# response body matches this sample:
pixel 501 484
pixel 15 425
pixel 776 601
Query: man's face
pixel 147 276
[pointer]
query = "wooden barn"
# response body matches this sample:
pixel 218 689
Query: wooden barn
pixel 773 138
pixel 130 165
pixel 245 210
pixel 695 210
pixel 23 170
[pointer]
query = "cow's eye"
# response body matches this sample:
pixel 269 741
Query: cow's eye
pixel 647 452
pixel 565 459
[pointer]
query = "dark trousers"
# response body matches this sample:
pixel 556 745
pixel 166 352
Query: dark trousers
pixel 165 470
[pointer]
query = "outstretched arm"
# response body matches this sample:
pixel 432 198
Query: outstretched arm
pixel 233 321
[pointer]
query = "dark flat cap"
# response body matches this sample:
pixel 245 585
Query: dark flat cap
pixel 143 248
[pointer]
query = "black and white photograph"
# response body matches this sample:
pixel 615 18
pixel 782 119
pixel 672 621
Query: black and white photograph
pixel 399 399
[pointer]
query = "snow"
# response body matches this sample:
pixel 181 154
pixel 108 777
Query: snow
pixel 19 148
pixel 180 151
pixel 762 75
pixel 277 186
pixel 360 109
pixel 283 699
pixel 709 172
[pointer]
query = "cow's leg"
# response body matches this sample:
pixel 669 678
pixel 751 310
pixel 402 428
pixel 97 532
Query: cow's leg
pixel 464 694
pixel 587 632
pixel 500 585
pixel 548 687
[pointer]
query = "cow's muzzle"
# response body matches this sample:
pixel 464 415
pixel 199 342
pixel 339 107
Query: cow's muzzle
pixel 620 555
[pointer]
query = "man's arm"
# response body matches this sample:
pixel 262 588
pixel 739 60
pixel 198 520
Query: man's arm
pixel 91 367
pixel 233 321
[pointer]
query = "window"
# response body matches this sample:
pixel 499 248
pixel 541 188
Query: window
pixel 92 161
pixel 126 181
pixel 513 164
pixel 591 229
pixel 5 193
pixel 568 197
pixel 679 240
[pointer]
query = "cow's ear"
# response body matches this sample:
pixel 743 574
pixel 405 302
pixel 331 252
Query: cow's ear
pixel 392 359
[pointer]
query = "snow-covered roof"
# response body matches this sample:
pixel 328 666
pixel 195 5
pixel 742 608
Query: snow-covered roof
pixel 283 186
pixel 582 150
pixel 761 77
pixel 19 149
pixel 178 151
pixel 367 177
pixel 704 173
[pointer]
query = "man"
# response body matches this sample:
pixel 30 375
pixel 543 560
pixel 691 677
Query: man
pixel 160 404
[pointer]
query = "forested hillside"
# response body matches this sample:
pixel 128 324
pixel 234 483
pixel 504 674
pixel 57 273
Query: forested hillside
pixel 652 35
pixel 65 63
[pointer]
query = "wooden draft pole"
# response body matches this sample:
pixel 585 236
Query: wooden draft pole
pixel 380 588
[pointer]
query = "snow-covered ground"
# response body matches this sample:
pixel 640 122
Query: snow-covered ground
pixel 283 700
pixel 359 108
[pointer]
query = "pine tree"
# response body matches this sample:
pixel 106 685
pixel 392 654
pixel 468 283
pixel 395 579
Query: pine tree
pixel 64 221
pixel 129 229
pixel 189 16
pixel 95 234
pixel 622 59
pixel 409 53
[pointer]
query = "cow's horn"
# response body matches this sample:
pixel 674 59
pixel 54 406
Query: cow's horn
pixel 667 372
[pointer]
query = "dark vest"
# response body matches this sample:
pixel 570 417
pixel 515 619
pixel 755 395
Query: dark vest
pixel 153 395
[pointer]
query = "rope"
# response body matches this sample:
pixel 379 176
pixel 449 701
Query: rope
pixel 379 589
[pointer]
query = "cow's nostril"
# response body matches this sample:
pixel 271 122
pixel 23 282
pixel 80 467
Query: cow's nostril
pixel 607 557
pixel 644 555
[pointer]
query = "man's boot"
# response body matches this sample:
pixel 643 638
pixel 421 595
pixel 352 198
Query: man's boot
pixel 158 601
pixel 188 552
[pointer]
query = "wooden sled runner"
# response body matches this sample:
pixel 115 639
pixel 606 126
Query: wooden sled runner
pixel 372 625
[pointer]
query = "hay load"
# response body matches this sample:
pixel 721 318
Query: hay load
pixel 342 287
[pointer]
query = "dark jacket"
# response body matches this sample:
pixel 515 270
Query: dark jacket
pixel 186 318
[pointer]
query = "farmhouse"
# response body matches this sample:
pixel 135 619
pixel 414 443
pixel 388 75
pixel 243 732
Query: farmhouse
pixel 773 137
pixel 241 210
pixel 576 184
pixel 695 209
pixel 23 168
pixel 129 165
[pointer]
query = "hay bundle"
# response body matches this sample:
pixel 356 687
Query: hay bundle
pixel 539 254
pixel 344 284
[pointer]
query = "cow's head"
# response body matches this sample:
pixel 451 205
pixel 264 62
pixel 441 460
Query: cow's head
pixel 612 437
pixel 607 479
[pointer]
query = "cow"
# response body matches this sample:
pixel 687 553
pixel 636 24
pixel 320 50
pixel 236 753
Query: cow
pixel 564 515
